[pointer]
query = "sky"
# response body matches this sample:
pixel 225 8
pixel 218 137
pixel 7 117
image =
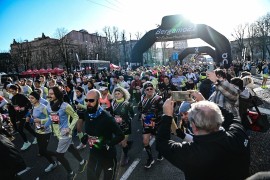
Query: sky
pixel 28 19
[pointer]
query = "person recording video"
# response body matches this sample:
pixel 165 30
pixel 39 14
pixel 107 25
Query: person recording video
pixel 225 153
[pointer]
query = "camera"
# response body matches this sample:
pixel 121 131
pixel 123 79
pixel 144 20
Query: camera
pixel 182 96
pixel 210 67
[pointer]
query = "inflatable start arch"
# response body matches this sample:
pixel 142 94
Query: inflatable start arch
pixel 174 28
pixel 197 50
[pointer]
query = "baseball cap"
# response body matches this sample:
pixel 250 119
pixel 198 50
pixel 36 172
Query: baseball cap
pixel 184 107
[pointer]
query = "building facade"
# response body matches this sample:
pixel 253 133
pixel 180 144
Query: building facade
pixel 65 52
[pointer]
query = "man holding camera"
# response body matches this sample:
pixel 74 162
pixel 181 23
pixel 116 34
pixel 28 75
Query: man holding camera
pixel 225 153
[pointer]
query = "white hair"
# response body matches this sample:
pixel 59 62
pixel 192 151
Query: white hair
pixel 205 115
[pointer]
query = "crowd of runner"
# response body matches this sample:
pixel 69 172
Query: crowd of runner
pixel 64 104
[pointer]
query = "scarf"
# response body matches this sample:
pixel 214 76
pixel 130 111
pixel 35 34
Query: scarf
pixel 120 100
pixel 97 113
pixel 55 106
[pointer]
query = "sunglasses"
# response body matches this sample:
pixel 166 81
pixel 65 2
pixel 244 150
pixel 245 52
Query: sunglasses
pixel 89 100
pixel 149 89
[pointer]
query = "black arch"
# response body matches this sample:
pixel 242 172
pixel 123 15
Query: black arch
pixel 174 28
pixel 197 50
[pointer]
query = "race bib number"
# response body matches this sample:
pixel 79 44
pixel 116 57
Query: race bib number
pixel 55 118
pixel 92 141
pixel 149 121
pixel 118 119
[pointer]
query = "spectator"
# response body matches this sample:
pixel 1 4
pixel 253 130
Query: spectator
pixel 184 124
pixel 265 75
pixel 225 95
pixel 226 153
pixel 205 88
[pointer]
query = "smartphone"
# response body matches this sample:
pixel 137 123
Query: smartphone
pixel 210 67
pixel 182 96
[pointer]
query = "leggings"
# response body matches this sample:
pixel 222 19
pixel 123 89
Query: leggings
pixel 43 141
pixel 12 116
pixel 61 157
pixel 96 164
pixel 22 124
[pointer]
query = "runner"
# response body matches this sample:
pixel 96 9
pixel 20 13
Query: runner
pixel 102 134
pixel 60 113
pixel 265 71
pixel 106 98
pixel 150 109
pixel 21 105
pixel 80 107
pixel 39 116
pixel 123 114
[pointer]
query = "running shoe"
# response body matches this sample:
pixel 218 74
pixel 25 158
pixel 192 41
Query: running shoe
pixel 51 167
pixel 149 163
pixel 35 141
pixel 71 176
pixel 26 145
pixel 160 158
pixel 82 167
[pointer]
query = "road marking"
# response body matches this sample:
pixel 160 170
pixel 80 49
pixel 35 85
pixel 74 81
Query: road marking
pixel 130 169
pixel 134 163
pixel 23 171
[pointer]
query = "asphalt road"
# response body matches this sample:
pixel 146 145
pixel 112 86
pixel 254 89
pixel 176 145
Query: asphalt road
pixel 133 171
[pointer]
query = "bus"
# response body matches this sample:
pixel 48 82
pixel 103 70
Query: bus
pixel 93 66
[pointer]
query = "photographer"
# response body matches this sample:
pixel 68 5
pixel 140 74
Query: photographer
pixel 225 153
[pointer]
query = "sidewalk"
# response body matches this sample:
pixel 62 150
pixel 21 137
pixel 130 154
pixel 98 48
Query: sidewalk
pixel 264 94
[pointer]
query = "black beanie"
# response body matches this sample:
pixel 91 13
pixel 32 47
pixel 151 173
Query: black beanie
pixel 79 88
pixel 35 94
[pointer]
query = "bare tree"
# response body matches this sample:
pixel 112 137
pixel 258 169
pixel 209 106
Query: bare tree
pixel 124 48
pixel 109 42
pixel 50 53
pixel 116 45
pixel 251 35
pixel 64 46
pixel 138 35
pixel 263 25
pixel 22 55
pixel 239 35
